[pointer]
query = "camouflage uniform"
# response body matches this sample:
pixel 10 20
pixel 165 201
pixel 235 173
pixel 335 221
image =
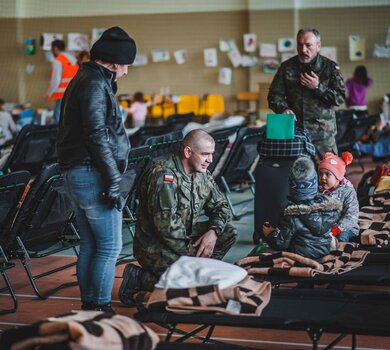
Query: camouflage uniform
pixel 170 205
pixel 313 108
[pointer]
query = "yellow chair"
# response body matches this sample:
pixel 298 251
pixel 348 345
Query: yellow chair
pixel 246 97
pixel 188 104
pixel 212 104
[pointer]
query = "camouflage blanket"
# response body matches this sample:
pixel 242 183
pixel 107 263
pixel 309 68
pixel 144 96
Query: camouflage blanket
pixel 345 258
pixel 374 221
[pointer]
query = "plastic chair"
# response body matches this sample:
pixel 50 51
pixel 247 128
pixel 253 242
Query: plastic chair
pixel 212 104
pixel 246 98
pixel 188 104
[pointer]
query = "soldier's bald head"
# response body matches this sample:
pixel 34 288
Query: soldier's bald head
pixel 196 138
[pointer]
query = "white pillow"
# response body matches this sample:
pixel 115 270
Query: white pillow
pixel 189 272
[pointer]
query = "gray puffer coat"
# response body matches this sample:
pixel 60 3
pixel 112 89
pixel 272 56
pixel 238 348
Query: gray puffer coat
pixel 305 226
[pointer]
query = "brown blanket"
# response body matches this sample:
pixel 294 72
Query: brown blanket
pixel 82 330
pixel 345 258
pixel 374 221
pixel 249 297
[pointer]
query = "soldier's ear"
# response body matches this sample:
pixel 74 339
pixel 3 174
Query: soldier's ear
pixel 187 152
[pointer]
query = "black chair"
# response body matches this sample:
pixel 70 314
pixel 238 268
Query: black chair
pixel 142 134
pixel 359 126
pixel 179 121
pixel 163 146
pixel 237 167
pixel 34 146
pixel 44 225
pixel 12 187
pixel 221 138
pixel 344 119
pixel 138 162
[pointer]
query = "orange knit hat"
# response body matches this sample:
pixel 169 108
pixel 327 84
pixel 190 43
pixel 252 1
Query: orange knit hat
pixel 336 165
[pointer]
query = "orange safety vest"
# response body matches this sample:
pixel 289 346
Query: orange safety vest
pixel 68 72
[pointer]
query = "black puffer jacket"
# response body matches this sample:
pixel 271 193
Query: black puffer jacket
pixel 91 128
pixel 305 227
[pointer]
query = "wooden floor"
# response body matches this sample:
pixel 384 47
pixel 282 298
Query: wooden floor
pixel 32 309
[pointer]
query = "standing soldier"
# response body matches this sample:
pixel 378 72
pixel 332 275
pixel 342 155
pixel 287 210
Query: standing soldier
pixel 172 196
pixel 310 85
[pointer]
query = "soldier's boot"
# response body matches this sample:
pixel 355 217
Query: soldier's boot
pixel 131 284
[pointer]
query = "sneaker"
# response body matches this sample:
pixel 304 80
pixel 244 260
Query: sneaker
pixel 131 284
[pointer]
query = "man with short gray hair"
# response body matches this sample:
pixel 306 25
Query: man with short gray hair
pixel 309 86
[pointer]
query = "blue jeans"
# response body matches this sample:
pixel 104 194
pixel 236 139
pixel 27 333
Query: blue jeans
pixel 57 111
pixel 100 232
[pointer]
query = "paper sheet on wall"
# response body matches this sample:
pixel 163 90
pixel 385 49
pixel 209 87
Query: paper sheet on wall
pixel 270 66
pixel 267 50
pixel 286 56
pixel 30 47
pixel 78 42
pixel 160 55
pixel 388 37
pixel 357 48
pixel 96 34
pixel 224 45
pixel 210 57
pixel 48 38
pixel 141 59
pixel 225 76
pixel 180 56
pixel 249 42
pixel 249 61
pixel 286 44
pixel 381 51
pixel 234 54
pixel 329 52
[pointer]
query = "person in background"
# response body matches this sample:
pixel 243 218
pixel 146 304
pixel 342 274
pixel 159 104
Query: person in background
pixel 332 183
pixel 138 110
pixel 306 222
pixel 83 56
pixel 357 87
pixel 309 86
pixel 93 149
pixel 64 68
pixel 8 128
pixel 173 196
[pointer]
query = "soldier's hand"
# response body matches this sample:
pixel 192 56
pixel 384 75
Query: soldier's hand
pixel 206 244
pixel 309 80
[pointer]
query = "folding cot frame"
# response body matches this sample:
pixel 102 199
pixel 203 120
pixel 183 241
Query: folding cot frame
pixel 238 164
pixel 315 311
pixel 31 236
pixel 12 187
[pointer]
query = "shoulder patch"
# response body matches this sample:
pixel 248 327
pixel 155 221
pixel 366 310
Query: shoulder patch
pixel 168 178
pixel 337 68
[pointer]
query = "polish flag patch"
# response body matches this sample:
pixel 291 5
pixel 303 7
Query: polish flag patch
pixel 337 68
pixel 168 178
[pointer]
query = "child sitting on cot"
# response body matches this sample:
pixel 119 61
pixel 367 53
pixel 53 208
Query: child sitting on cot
pixel 308 217
pixel 332 183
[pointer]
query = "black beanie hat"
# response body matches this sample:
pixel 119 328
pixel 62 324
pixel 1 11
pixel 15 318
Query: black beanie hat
pixel 114 46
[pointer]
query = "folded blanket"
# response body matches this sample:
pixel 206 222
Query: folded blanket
pixel 248 297
pixel 82 330
pixel 374 221
pixel 345 258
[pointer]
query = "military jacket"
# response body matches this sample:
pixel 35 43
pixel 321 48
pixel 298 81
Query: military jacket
pixel 170 204
pixel 314 109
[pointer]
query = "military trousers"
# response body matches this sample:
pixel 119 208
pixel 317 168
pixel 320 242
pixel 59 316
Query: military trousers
pixel 229 236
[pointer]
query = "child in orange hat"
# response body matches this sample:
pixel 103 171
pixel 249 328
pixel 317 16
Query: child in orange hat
pixel 331 180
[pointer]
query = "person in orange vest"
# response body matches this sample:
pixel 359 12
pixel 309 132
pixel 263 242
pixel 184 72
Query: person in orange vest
pixel 64 68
